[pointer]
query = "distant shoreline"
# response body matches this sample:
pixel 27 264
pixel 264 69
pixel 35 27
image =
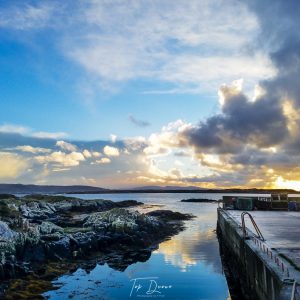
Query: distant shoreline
pixel 82 189
pixel 185 191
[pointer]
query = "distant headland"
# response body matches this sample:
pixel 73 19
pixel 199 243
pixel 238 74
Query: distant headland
pixel 83 189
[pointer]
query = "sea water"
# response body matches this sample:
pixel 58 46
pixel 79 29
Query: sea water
pixel 188 266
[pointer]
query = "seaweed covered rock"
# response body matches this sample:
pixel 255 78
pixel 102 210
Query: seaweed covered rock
pixel 168 215
pixel 49 228
pixel 37 210
pixel 121 220
pixel 9 209
pixel 43 207
pixel 6 234
pixel 37 229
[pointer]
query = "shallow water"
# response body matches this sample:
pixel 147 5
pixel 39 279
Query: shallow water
pixel 187 266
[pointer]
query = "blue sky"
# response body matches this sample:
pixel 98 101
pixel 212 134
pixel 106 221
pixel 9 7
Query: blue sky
pixel 82 71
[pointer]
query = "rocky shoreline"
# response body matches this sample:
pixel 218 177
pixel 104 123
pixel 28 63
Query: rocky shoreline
pixel 39 231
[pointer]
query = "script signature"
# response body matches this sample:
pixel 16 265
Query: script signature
pixel 148 286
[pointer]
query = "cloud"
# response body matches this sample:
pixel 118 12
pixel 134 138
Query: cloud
pixel 111 151
pixel 12 165
pixel 118 42
pixel 169 137
pixel 26 16
pixel 116 52
pixel 138 123
pixel 65 159
pixel 113 138
pixel 96 154
pixel 250 141
pixel 261 123
pixel 10 128
pixel 135 144
pixel 87 153
pixel 103 160
pixel 49 135
pixel 30 149
pixel 66 146
pixel 26 131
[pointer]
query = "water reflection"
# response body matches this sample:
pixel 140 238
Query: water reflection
pixel 186 267
pixel 187 249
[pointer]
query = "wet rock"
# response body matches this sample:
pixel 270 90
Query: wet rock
pixel 57 228
pixel 168 215
pixel 42 207
pixel 121 221
pixel 9 211
pixel 6 234
pixel 48 228
pixel 37 210
pixel 59 249
pixel 8 196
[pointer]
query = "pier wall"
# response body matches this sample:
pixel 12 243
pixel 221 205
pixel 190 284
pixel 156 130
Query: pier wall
pixel 248 269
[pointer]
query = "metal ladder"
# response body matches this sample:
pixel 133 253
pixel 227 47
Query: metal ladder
pixel 294 291
pixel 254 225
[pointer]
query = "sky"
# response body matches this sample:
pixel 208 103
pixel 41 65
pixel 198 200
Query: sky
pixel 122 93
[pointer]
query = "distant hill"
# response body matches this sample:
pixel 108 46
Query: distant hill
pixel 84 189
pixel 169 187
pixel 47 189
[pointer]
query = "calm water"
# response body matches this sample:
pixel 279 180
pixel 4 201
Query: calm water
pixel 188 266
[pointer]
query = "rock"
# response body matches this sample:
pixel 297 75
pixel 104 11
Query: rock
pixel 48 228
pixel 168 215
pixel 8 196
pixel 41 207
pixel 43 228
pixel 51 237
pixel 82 240
pixel 9 210
pixel 121 220
pixel 37 210
pixel 7 246
pixel 6 234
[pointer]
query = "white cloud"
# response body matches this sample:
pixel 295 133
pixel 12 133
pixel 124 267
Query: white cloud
pixel 103 160
pixel 12 165
pixel 30 149
pixel 113 138
pixel 181 42
pixel 199 43
pixel 19 129
pixel 96 154
pixel 169 137
pixel 66 146
pixel 111 151
pixel 10 128
pixel 134 143
pixel 65 159
pixel 26 16
pixel 49 135
pixel 87 153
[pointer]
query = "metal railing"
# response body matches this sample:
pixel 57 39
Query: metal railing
pixel 294 291
pixel 253 223
pixel 259 242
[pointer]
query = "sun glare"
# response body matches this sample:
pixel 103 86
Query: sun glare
pixel 287 184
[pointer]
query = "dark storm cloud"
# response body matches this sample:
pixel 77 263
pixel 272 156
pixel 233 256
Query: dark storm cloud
pixel 280 33
pixel 137 122
pixel 242 121
pixel 262 123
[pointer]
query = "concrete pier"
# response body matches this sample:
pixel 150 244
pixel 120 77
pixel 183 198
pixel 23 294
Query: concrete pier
pixel 264 270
